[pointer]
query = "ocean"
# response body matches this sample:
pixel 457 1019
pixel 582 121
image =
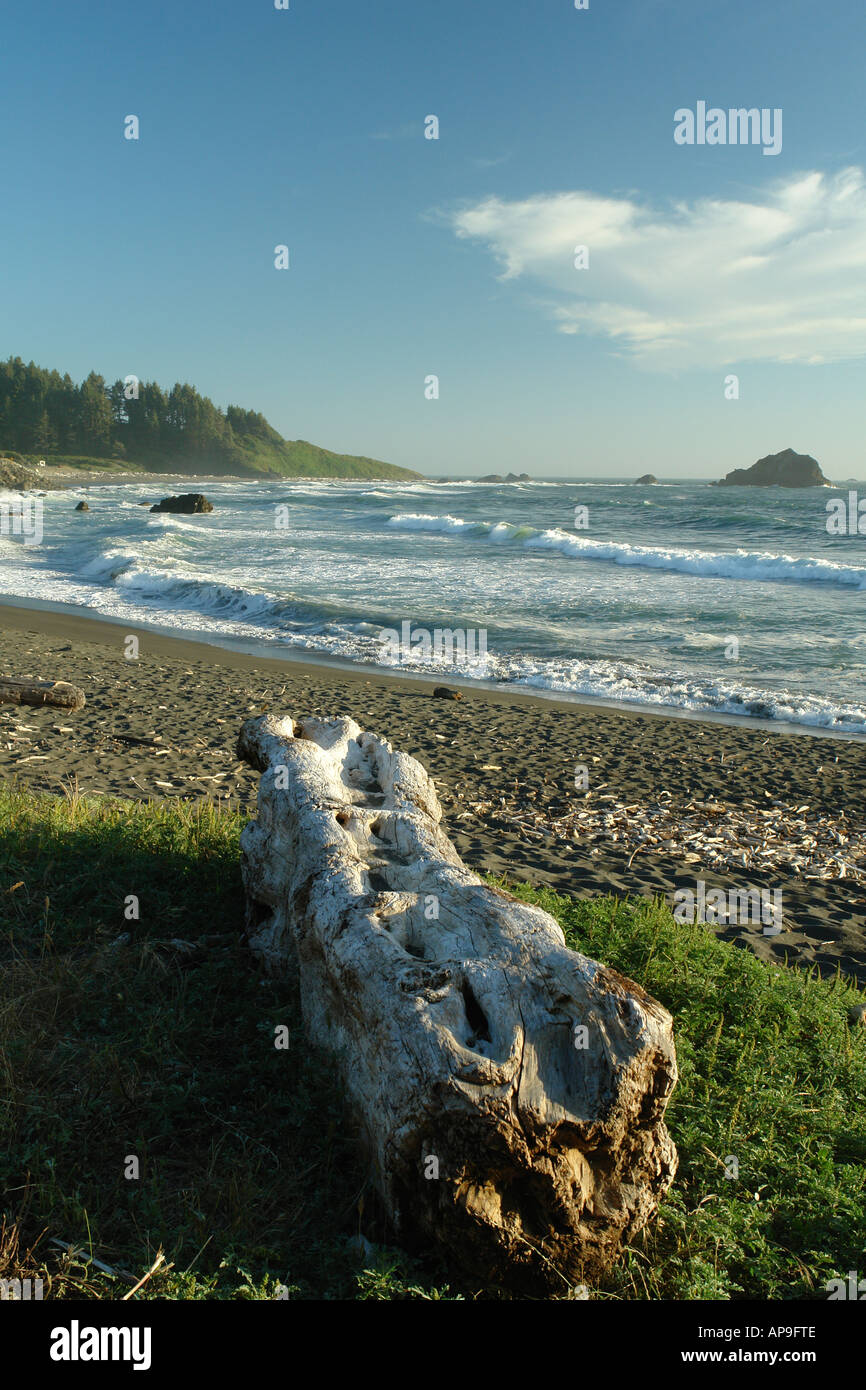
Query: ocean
pixel 679 595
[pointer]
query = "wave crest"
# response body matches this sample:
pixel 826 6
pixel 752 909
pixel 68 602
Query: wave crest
pixel 757 565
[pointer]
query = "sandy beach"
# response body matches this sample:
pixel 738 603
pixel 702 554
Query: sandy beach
pixel 668 801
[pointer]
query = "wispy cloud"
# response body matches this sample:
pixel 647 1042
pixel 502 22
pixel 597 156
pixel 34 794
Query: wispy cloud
pixel 481 163
pixel 777 278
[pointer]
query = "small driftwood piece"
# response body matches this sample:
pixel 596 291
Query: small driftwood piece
pixel 509 1092
pixel 58 693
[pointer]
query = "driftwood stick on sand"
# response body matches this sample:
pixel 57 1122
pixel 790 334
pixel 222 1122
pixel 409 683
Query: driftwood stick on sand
pixel 59 693
pixel 509 1092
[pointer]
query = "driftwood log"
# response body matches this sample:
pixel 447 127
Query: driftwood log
pixel 59 693
pixel 510 1092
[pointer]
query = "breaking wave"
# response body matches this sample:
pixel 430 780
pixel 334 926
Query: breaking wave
pixel 760 565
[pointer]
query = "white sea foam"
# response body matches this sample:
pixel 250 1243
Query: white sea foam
pixel 340 574
pixel 756 565
pixel 626 683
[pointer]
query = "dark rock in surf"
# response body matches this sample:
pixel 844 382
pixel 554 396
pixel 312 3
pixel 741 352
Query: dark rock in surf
pixel 187 503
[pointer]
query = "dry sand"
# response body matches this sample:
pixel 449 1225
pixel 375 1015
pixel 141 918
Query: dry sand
pixel 504 765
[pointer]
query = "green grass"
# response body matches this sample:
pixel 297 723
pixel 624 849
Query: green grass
pixel 250 1178
pixel 297 458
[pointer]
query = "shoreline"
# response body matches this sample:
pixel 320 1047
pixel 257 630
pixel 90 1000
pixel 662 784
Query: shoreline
pixel 104 629
pixel 61 478
pixel 123 473
pixel 666 803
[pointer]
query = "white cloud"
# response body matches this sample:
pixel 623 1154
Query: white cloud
pixel 779 278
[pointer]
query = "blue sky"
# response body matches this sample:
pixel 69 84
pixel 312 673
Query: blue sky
pixel 453 257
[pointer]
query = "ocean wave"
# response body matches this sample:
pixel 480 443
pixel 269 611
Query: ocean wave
pixel 190 603
pixel 107 565
pixel 628 684
pixel 603 633
pixel 759 565
pixel 179 589
pixel 316 628
pixel 164 521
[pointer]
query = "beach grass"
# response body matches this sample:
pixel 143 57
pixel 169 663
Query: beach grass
pixel 154 1039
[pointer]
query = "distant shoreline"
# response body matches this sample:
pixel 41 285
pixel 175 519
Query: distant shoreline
pixel 59 478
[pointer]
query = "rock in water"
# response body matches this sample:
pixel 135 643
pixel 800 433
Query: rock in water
pixel 187 502
pixel 82 507
pixel 778 470
pixel 510 1092
pixel 644 479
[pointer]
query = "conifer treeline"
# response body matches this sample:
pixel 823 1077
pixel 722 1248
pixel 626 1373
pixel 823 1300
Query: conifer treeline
pixel 42 412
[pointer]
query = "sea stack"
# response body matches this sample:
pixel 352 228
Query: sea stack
pixel 787 469
pixel 645 479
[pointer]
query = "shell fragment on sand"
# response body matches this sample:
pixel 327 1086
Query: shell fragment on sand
pixel 818 845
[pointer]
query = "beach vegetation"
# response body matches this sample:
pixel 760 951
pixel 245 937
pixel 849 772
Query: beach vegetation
pixel 44 414
pixel 152 1037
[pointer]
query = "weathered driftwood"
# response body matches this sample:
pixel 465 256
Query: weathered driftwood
pixel 59 693
pixel 510 1092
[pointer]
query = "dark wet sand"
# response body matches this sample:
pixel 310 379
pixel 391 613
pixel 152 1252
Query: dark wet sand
pixel 494 755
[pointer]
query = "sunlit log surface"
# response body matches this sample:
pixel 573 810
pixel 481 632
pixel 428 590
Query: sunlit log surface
pixel 510 1092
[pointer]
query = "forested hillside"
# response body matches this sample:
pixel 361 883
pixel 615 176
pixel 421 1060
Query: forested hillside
pixel 46 415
